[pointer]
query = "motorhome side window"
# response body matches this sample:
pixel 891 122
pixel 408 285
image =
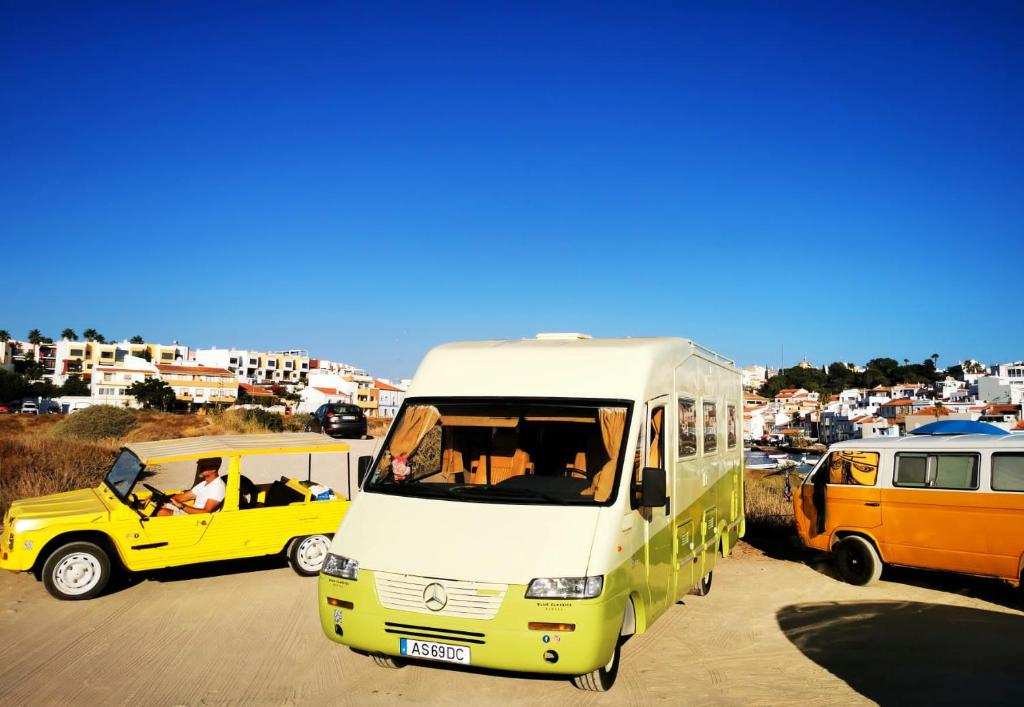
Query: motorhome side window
pixel 731 426
pixel 710 428
pixel 853 468
pixel 1007 472
pixel 687 427
pixel 956 472
pixel 656 434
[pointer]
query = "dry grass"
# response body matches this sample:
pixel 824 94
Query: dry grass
pixel 377 426
pixel 34 462
pixel 765 502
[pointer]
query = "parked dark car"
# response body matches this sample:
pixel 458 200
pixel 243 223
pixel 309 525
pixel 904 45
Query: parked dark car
pixel 338 420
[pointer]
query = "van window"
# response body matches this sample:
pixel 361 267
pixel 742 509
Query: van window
pixel 956 472
pixel 730 434
pixel 1008 472
pixel 710 428
pixel 853 468
pixel 656 453
pixel 911 470
pixel 638 469
pixel 687 427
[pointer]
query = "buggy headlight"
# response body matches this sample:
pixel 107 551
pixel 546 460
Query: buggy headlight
pixel 565 588
pixel 338 566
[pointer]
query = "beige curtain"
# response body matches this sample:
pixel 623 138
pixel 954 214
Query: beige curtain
pixel 452 462
pixel 654 454
pixel 416 422
pixel 613 424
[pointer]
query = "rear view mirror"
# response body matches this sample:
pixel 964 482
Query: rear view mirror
pixel 653 488
pixel 363 467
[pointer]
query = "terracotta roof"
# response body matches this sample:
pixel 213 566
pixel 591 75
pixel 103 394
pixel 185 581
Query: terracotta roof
pixel 381 385
pixel 327 391
pixel 194 370
pixel 753 396
pixel 256 390
pixel 1001 409
pixel 900 402
pixel 833 397
pixel 933 411
pixel 1019 425
pixel 123 370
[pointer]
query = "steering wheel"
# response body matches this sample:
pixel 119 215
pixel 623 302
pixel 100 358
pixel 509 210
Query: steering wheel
pixel 159 497
pixel 572 472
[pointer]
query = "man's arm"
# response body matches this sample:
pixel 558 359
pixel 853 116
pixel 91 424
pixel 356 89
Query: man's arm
pixel 183 496
pixel 211 505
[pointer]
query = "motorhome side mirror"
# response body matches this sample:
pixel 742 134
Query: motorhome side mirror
pixel 363 467
pixel 653 487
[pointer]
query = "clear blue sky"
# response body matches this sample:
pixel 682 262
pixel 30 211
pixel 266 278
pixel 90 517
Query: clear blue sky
pixel 846 180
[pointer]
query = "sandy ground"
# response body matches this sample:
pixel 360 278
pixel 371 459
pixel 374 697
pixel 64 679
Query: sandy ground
pixel 773 631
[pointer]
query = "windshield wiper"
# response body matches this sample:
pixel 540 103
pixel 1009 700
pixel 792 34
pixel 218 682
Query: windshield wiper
pixel 412 489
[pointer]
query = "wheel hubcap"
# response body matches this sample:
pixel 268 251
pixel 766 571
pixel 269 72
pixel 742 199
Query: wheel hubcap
pixel 77 573
pixel 312 552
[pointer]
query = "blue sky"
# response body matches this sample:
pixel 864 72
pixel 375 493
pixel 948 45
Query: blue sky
pixel 366 181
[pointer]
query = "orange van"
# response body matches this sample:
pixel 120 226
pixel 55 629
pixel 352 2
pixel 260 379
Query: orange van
pixel 952 502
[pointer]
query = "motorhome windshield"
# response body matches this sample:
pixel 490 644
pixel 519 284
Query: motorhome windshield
pixel 123 474
pixel 504 451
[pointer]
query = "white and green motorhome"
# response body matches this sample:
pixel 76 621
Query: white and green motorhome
pixel 537 501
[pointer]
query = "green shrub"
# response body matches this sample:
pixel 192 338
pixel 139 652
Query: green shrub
pixel 97 422
pixel 270 421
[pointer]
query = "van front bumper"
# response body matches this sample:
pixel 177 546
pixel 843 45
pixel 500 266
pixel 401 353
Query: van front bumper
pixel 502 643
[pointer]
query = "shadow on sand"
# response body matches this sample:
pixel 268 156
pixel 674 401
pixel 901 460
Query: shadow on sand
pixel 911 652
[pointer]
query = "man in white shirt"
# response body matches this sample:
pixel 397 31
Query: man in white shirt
pixel 207 495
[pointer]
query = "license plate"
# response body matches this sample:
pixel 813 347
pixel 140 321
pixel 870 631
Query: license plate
pixel 428 650
pixel 348 417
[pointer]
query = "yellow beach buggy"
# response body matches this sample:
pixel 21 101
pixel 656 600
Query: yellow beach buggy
pixel 282 493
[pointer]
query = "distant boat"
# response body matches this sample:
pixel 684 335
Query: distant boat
pixel 761 466
pixel 777 456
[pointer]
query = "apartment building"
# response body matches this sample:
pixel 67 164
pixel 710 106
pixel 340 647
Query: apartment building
pixel 108 385
pixel 82 357
pixel 389 398
pixel 284 368
pixel 200 385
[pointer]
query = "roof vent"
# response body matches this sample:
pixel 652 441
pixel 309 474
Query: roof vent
pixel 563 336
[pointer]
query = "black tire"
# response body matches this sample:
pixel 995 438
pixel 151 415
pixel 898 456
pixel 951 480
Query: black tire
pixel 306 554
pixel 602 679
pixel 387 661
pixel 76 571
pixel 703 587
pixel 857 561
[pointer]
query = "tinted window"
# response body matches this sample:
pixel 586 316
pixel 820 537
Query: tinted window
pixel 687 427
pixel 731 427
pixel 853 468
pixel 1008 472
pixel 710 427
pixel 956 471
pixel 345 409
pixel 911 470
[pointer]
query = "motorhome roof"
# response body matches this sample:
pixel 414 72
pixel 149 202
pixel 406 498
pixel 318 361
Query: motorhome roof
pixel 912 442
pixel 554 367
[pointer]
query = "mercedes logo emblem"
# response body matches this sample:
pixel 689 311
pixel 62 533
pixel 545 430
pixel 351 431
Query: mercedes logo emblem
pixel 434 597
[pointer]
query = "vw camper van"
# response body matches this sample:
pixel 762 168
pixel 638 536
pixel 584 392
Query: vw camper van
pixel 939 501
pixel 537 501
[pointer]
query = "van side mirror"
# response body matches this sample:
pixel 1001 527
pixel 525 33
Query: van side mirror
pixel 363 467
pixel 653 487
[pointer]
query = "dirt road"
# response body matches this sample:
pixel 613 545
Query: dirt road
pixel 773 631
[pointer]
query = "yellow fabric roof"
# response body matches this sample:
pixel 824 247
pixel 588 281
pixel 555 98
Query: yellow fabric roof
pixel 232 445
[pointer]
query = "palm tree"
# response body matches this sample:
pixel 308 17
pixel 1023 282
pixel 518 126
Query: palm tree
pixel 91 335
pixel 935 358
pixel 137 339
pixel 35 336
pixel 5 336
pixel 69 334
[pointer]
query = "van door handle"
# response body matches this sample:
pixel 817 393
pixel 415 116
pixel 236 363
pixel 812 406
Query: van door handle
pixel 202 522
pixel 873 504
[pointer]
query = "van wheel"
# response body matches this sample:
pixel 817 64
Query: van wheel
pixel 387 661
pixel 75 571
pixel 307 554
pixel 857 561
pixel 602 679
pixel 703 587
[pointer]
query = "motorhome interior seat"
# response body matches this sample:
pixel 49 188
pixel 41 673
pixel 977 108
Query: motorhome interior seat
pixel 505 459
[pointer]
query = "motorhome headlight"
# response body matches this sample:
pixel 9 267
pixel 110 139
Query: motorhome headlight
pixel 565 588
pixel 338 566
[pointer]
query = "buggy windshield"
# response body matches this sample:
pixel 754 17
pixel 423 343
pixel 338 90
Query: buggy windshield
pixel 123 474
pixel 504 451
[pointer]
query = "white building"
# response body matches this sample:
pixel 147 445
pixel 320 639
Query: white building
pixel 109 385
pixel 389 398
pixel 755 376
pixel 284 368
pixel 1001 389
pixel 311 397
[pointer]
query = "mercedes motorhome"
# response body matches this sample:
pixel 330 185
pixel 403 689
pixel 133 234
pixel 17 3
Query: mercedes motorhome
pixel 536 502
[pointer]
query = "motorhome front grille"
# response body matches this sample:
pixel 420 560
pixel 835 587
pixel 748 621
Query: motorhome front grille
pixel 463 600
pixel 441 634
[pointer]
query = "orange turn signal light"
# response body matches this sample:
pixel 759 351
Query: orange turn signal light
pixel 340 603
pixel 542 626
